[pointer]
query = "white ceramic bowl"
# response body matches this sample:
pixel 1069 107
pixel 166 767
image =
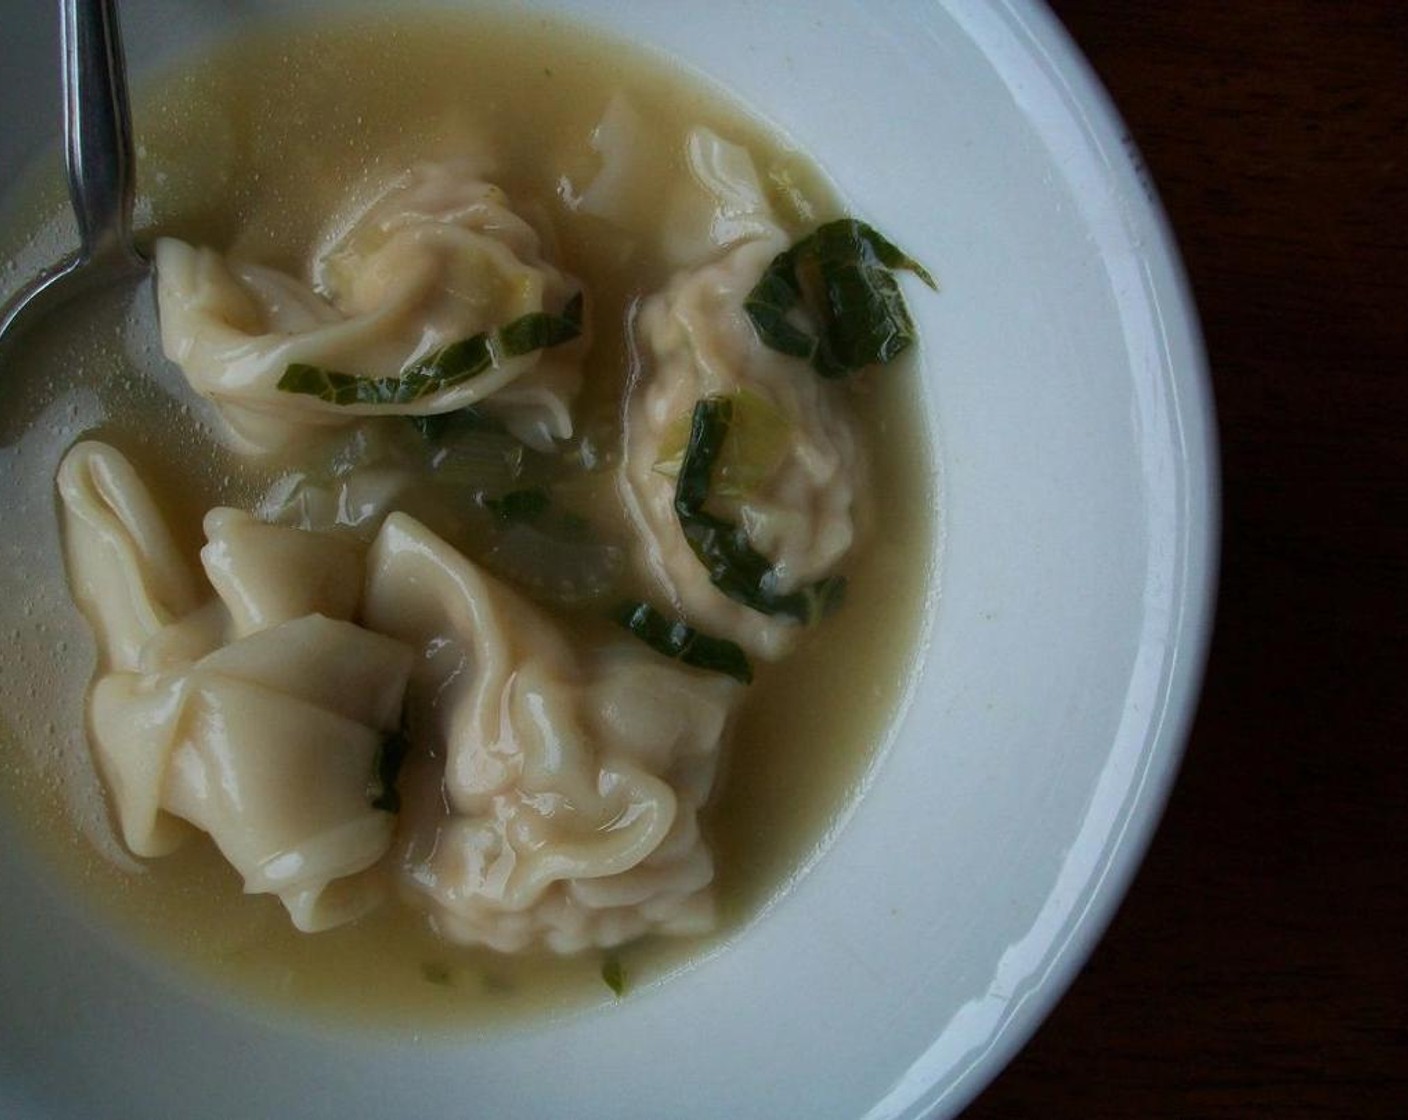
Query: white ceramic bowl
pixel 1072 422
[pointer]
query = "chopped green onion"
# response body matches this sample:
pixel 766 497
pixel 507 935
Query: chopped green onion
pixel 676 639
pixel 841 279
pixel 735 567
pixel 447 367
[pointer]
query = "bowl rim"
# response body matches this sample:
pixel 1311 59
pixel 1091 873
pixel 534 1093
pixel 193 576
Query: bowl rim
pixel 1172 295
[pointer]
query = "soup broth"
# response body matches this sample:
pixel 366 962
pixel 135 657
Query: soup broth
pixel 251 149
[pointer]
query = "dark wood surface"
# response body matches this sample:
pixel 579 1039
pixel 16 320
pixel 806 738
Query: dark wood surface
pixel 1259 966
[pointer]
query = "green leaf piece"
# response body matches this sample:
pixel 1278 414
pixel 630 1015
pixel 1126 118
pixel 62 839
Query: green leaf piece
pixel 613 975
pixel 832 299
pixel 444 369
pixel 541 331
pixel 759 439
pixel 708 428
pixel 381 791
pixel 735 567
pixel 678 640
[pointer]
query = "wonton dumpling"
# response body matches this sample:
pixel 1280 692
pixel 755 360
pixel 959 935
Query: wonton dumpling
pixel 437 258
pixel 696 341
pixel 541 811
pixel 254 717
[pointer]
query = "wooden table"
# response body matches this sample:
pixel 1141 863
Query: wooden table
pixel 1257 969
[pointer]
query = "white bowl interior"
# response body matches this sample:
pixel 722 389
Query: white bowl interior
pixel 1073 432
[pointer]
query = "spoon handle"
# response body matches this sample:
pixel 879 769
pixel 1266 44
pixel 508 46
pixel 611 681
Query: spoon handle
pixel 98 128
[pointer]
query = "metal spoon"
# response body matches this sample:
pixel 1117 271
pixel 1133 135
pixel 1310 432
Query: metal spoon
pixel 98 142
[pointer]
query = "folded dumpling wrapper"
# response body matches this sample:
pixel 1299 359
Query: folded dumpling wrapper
pixel 437 257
